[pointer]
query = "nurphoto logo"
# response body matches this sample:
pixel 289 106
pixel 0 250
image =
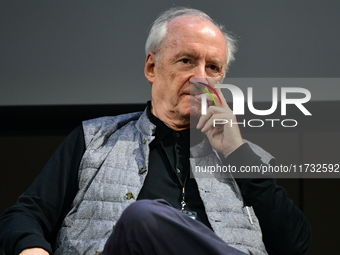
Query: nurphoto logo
pixel 239 104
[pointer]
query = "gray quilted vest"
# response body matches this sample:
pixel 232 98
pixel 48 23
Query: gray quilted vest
pixel 117 148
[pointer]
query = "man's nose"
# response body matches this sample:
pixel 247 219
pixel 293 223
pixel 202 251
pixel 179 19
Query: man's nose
pixel 200 72
pixel 198 84
pixel 199 76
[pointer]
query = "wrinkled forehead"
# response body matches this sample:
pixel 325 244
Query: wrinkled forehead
pixel 184 24
pixel 192 29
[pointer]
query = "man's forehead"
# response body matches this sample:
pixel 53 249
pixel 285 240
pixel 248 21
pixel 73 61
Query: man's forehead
pixel 186 29
pixel 191 22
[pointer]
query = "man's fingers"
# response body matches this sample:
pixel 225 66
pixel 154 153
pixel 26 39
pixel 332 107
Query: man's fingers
pixel 224 101
pixel 211 122
pixel 213 113
pixel 210 112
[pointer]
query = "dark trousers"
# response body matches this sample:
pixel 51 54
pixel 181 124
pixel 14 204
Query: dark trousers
pixel 155 227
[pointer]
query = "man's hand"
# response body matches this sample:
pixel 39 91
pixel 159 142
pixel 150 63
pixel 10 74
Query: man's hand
pixel 34 251
pixel 224 138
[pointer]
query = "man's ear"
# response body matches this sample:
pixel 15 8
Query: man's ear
pixel 150 66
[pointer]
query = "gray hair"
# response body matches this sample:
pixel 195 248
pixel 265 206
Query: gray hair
pixel 159 28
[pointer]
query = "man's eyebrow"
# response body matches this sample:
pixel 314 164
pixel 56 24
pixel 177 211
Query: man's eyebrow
pixel 185 54
pixel 215 61
pixel 192 55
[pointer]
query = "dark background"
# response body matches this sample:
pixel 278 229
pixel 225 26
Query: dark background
pixel 65 61
pixel 92 52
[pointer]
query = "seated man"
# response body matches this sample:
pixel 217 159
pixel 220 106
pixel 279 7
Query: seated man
pixel 123 184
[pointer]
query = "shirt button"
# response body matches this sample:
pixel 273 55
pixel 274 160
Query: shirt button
pixel 178 171
pixel 129 195
pixel 177 134
pixel 144 140
pixel 177 150
pixel 142 170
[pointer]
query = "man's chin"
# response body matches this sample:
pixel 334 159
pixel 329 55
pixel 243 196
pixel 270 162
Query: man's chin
pixel 191 112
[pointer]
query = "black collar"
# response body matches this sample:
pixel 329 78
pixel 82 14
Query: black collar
pixel 163 130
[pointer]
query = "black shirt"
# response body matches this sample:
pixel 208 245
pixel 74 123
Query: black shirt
pixel 169 170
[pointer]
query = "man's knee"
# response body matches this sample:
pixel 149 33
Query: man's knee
pixel 142 214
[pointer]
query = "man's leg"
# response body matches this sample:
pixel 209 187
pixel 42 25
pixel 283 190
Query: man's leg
pixel 155 227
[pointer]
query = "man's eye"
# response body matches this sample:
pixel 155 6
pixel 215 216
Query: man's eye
pixel 214 68
pixel 185 61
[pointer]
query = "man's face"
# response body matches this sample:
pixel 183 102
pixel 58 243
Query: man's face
pixel 193 48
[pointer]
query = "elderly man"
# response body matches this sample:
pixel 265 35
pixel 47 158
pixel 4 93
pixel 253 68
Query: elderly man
pixel 130 174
